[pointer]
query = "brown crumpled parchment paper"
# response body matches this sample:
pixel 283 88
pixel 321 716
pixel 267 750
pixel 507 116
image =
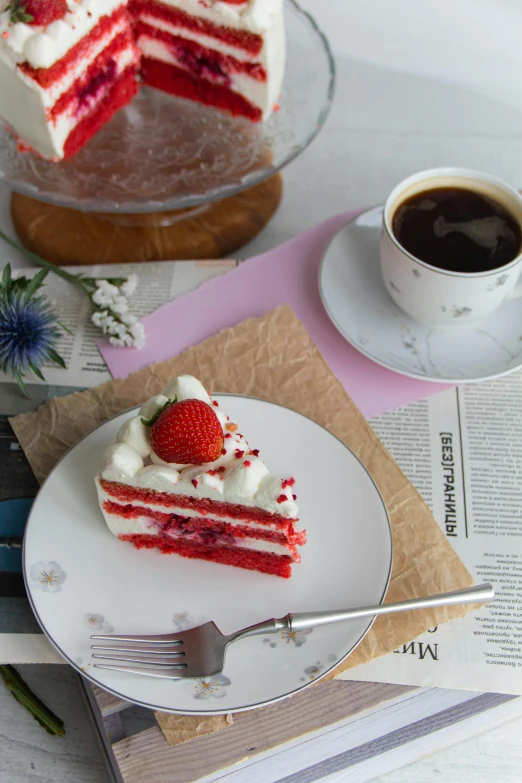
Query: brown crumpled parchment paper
pixel 182 728
pixel 273 357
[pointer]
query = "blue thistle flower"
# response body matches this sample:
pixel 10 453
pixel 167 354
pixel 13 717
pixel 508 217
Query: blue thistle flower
pixel 28 328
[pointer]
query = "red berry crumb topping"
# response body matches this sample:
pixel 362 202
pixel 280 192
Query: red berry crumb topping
pixel 239 453
pixel 212 472
pixel 294 497
pixel 43 12
pixel 188 433
pixel 195 483
pixel 228 435
pixel 282 499
pixel 216 403
pixel 222 469
pixel 247 463
pixel 288 483
pixel 255 452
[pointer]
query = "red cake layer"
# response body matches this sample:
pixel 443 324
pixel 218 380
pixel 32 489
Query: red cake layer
pixel 277 565
pixel 176 81
pixel 200 61
pixel 183 524
pixel 242 39
pixel 118 96
pixel 102 70
pixel 203 506
pixel 48 76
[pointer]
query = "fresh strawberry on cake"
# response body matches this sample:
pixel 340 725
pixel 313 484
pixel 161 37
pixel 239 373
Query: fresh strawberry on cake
pixel 182 478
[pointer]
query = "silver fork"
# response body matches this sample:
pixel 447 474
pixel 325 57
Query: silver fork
pixel 200 652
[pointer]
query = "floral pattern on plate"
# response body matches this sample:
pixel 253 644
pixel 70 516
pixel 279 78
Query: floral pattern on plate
pixel 97 622
pixel 82 665
pixel 311 672
pixel 208 687
pixel 292 638
pixel 182 621
pixel 47 577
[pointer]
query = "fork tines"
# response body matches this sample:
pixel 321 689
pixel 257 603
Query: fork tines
pixel 160 652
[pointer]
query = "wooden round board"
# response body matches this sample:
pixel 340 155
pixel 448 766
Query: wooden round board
pixel 69 237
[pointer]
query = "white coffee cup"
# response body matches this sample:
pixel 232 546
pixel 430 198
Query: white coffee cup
pixel 438 297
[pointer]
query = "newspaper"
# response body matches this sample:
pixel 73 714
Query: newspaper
pixel 462 448
pixel 158 283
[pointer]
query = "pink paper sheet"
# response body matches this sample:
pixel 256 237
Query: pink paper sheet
pixel 286 275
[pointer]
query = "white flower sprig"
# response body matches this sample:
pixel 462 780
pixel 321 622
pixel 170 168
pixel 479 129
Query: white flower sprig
pixel 109 298
pixel 111 313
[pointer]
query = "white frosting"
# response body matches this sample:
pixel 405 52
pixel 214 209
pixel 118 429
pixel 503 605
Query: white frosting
pixel 121 463
pixel 41 46
pixel 160 479
pixel 245 482
pixel 186 387
pixel 136 435
pixel 245 479
pixel 152 406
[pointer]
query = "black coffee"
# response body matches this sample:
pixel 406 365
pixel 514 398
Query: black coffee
pixel 457 229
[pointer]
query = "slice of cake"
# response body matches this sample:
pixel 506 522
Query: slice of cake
pixel 65 68
pixel 223 53
pixel 183 479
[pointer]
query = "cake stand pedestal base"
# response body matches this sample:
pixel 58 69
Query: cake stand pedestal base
pixel 68 237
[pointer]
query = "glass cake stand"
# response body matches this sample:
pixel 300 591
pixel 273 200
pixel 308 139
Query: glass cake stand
pixel 168 178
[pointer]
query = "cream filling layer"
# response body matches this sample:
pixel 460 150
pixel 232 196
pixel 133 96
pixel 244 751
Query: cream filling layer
pixel 208 41
pixel 52 93
pixel 184 512
pixel 146 526
pixel 66 122
pixel 254 91
pixel 272 57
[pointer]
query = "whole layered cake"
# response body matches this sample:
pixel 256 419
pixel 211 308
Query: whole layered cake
pixel 183 479
pixel 66 66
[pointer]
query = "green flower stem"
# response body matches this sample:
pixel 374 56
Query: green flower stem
pixel 86 283
pixel 24 695
pixel 41 261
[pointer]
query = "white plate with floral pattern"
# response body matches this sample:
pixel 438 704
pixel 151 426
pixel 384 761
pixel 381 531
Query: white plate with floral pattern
pixel 359 306
pixel 81 579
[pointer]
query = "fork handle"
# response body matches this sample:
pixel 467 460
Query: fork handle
pixel 477 594
pixel 268 626
pixel 304 620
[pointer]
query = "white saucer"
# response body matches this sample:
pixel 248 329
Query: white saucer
pixel 82 580
pixel 354 296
